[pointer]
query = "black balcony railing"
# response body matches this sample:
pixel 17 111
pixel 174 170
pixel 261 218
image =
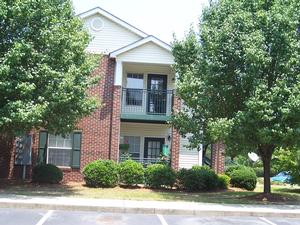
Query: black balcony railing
pixel 141 101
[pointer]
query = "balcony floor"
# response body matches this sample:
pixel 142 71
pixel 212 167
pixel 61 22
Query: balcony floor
pixel 145 117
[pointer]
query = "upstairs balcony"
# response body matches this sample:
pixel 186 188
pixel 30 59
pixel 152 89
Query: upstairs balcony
pixel 143 104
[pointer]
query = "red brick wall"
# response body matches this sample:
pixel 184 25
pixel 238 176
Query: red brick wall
pixel 96 129
pixel 218 157
pixel 7 158
pixel 6 164
pixel 115 123
pixel 175 145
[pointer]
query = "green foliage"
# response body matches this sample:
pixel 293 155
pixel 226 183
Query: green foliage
pixel 199 178
pixel 232 168
pixel 288 160
pixel 243 178
pixel 160 175
pixel 181 175
pixel 223 181
pixel 44 68
pixel 46 173
pixel 131 173
pixel 240 77
pixel 101 173
pixel 259 171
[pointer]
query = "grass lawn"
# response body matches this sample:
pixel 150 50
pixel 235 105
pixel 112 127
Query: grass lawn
pixel 289 194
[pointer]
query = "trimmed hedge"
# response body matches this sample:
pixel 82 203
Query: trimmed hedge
pixel 232 168
pixel 244 178
pixel 223 181
pixel 101 173
pixel 199 178
pixel 46 173
pixel 159 175
pixel 131 173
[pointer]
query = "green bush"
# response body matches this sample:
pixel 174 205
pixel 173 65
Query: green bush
pixel 101 173
pixel 260 171
pixel 181 174
pixel 46 173
pixel 159 175
pixel 199 178
pixel 244 178
pixel 131 173
pixel 223 181
pixel 232 168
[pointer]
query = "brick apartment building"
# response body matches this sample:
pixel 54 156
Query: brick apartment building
pixel 137 91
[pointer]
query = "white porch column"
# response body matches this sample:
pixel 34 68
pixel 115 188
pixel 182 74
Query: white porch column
pixel 200 153
pixel 118 73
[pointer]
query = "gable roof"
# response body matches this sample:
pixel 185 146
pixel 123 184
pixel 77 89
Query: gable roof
pixel 141 42
pixel 114 19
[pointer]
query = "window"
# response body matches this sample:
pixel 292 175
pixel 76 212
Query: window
pixel 134 93
pixel 60 150
pixel 134 145
pixel 97 24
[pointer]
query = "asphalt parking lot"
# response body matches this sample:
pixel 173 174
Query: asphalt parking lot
pixel 50 217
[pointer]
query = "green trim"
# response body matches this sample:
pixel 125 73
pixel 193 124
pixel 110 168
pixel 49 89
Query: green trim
pixel 148 117
pixel 76 151
pixel 43 145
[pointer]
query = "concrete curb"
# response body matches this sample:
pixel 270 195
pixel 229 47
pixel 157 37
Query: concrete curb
pixel 149 207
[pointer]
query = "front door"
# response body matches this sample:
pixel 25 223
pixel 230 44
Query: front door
pixel 153 147
pixel 157 94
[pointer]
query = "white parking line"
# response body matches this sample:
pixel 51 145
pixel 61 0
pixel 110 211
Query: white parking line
pixel 162 219
pixel 267 221
pixel 45 217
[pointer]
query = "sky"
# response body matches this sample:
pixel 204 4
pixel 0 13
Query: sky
pixel 161 18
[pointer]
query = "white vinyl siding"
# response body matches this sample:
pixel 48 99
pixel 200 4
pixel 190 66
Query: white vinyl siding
pixel 110 38
pixel 147 53
pixel 187 157
pixel 146 69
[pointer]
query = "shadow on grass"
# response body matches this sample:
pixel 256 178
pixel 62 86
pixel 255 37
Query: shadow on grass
pixel 26 188
pixel 221 197
pixel 79 190
pixel 289 190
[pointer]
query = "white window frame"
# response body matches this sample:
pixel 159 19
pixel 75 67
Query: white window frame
pixel 64 148
pixel 140 138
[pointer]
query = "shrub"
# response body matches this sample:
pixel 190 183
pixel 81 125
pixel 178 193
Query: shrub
pixel 131 173
pixel 232 168
pixel 159 175
pixel 244 178
pixel 181 174
pixel 101 173
pixel 260 171
pixel 46 173
pixel 223 181
pixel 199 178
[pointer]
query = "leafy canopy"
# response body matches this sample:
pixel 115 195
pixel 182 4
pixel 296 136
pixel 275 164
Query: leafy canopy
pixel 44 69
pixel 240 76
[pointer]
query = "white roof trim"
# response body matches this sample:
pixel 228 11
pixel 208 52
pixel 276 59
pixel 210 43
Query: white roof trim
pixel 138 43
pixel 114 19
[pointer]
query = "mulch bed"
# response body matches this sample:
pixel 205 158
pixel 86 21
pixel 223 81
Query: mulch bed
pixel 273 198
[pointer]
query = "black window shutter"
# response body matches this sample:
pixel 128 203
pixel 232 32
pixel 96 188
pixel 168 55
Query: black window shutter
pixel 42 154
pixel 75 163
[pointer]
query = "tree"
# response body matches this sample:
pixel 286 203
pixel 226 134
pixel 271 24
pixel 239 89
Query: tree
pixel 240 77
pixel 44 69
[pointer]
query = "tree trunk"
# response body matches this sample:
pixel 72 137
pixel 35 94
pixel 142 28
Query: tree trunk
pixel 266 155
